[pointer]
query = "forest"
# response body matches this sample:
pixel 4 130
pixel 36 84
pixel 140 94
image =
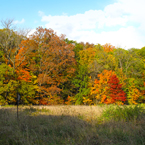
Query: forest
pixel 47 69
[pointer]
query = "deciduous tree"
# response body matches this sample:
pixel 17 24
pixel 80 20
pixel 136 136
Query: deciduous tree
pixel 50 58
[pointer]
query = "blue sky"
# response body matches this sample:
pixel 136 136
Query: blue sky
pixel 119 22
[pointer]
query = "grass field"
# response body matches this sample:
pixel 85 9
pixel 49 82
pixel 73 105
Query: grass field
pixel 72 125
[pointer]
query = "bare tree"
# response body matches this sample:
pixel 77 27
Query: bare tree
pixel 23 31
pixel 8 23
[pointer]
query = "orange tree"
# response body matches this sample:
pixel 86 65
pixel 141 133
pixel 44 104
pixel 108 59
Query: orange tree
pixel 51 59
pixel 100 88
pixel 106 89
pixel 108 47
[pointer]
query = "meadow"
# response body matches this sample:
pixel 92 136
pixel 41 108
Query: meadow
pixel 73 125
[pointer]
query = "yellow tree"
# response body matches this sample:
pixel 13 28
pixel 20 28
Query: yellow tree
pixel 122 77
pixel 133 93
pixel 87 56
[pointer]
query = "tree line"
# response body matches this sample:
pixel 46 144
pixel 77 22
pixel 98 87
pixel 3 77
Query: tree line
pixel 48 69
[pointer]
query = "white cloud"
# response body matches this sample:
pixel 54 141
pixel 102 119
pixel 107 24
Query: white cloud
pixel 124 37
pixel 122 14
pixel 19 22
pixel 114 10
pixel 41 13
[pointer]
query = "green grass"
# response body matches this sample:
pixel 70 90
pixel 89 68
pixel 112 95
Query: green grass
pixel 73 125
pixel 125 113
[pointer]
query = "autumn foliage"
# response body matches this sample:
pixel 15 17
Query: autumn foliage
pixel 108 47
pixel 116 94
pixel 50 59
pixel 100 88
pixel 107 89
pixel 48 69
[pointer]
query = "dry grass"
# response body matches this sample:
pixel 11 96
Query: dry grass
pixel 86 112
pixel 68 125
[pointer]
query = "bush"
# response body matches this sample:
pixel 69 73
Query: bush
pixel 125 113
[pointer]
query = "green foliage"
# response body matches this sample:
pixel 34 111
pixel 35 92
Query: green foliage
pixel 7 83
pixel 142 52
pixel 81 84
pixel 1 56
pixel 125 113
pixel 27 91
pixel 9 87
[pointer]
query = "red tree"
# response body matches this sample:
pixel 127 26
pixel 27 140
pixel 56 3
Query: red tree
pixel 115 90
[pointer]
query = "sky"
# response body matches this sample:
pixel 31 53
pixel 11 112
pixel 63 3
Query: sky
pixel 118 22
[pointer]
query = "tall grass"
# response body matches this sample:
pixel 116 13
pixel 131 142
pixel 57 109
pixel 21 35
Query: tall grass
pixel 125 113
pixel 73 125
